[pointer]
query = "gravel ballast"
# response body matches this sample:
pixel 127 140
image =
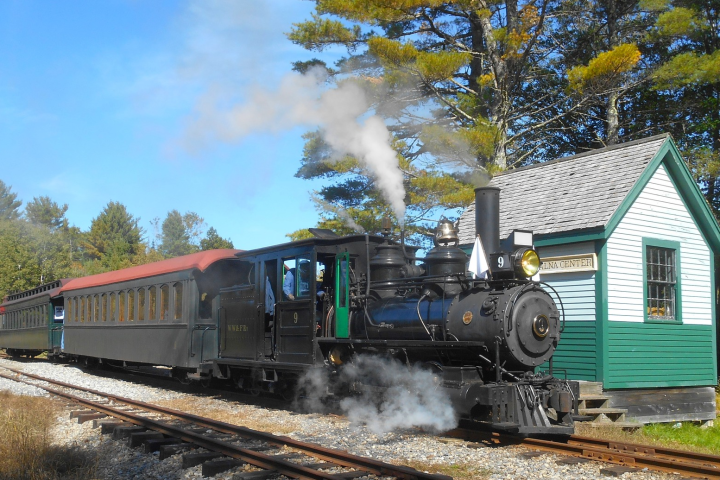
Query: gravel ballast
pixel 117 461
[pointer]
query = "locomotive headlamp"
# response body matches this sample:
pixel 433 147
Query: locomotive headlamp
pixel 526 262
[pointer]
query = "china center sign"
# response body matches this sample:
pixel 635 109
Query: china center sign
pixel 586 262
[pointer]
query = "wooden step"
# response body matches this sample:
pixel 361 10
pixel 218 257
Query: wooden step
pixel 594 397
pixel 624 425
pixel 598 411
pixel 591 388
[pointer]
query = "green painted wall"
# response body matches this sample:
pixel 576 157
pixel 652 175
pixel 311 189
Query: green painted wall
pixel 576 352
pixel 647 355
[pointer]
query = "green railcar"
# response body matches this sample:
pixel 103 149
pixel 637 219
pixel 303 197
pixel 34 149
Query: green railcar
pixel 31 322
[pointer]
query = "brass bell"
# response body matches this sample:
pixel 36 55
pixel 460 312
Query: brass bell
pixel 446 233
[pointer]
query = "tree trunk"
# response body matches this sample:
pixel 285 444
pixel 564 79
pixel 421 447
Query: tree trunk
pixel 612 118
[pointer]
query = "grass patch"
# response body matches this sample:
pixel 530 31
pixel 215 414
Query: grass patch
pixel 26 448
pixel 459 471
pixel 688 436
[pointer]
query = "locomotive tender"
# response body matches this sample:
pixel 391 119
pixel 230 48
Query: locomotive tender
pixel 264 317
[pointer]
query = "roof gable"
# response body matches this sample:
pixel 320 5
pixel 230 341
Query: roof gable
pixel 585 196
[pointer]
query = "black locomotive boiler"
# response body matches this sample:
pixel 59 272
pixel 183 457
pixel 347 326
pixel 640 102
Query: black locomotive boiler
pixel 263 318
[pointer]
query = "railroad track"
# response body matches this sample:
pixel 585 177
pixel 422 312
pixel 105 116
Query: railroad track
pixel 171 431
pixel 628 456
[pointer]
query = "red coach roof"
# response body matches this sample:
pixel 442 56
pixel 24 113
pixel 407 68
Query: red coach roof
pixel 200 260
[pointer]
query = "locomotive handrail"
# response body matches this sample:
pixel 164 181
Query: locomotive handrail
pixel 562 307
pixel 202 339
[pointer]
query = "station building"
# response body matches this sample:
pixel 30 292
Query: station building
pixel 629 243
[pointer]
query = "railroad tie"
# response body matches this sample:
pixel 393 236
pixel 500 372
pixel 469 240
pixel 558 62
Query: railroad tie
pixel 213 467
pixel 137 439
pixel 257 475
pixel 192 459
pixel 167 451
pixel 121 433
pixel 151 446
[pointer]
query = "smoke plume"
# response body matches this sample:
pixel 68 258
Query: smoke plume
pixel 391 396
pixel 302 100
pixel 340 212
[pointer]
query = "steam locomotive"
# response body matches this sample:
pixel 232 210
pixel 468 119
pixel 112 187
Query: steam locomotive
pixel 263 318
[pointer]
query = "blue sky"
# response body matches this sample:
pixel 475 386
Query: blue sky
pixel 95 97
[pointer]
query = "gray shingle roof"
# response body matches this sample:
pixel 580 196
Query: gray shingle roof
pixel 572 193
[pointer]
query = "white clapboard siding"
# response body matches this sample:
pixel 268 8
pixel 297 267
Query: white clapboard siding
pixel 657 213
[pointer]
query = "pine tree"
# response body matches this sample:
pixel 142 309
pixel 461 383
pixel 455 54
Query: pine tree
pixel 214 241
pixel 44 211
pixel 690 78
pixel 180 233
pixel 114 230
pixel 9 205
pixel 460 84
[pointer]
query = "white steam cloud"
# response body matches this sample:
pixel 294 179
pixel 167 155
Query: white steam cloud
pixel 340 212
pixel 301 100
pixel 392 396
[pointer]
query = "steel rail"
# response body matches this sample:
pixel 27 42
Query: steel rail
pixel 633 455
pixel 338 457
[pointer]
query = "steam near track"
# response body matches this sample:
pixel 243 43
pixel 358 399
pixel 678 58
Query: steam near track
pixel 405 397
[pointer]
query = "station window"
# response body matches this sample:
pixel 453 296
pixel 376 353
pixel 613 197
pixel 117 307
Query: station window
pixel 141 304
pixel 662 280
pixel 152 313
pixel 131 305
pixel 178 300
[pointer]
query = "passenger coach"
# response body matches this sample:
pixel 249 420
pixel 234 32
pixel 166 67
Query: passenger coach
pixel 158 314
pixel 31 321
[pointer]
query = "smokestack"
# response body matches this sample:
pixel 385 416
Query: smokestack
pixel 487 218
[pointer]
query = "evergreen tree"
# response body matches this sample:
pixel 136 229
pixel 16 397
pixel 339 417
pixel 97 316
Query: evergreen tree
pixel 114 230
pixel 602 41
pixel 214 241
pixel 43 211
pixel 180 233
pixel 465 87
pixel 690 79
pixel 9 205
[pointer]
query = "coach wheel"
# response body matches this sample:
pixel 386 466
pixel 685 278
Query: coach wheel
pixel 181 376
pixel 255 389
pixel 206 382
pixel 90 363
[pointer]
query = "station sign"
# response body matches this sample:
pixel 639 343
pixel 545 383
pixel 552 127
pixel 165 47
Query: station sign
pixel 586 262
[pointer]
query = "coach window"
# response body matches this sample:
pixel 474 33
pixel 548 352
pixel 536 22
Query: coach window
pixel 113 307
pixel 96 310
pixel 69 309
pixel 81 309
pixel 88 309
pixel 103 307
pixel 122 300
pixel 662 281
pixel 152 310
pixel 178 300
pixel 141 304
pixel 164 302
pixel 131 305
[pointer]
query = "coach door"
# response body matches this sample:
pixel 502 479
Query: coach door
pixel 238 317
pixel 295 311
